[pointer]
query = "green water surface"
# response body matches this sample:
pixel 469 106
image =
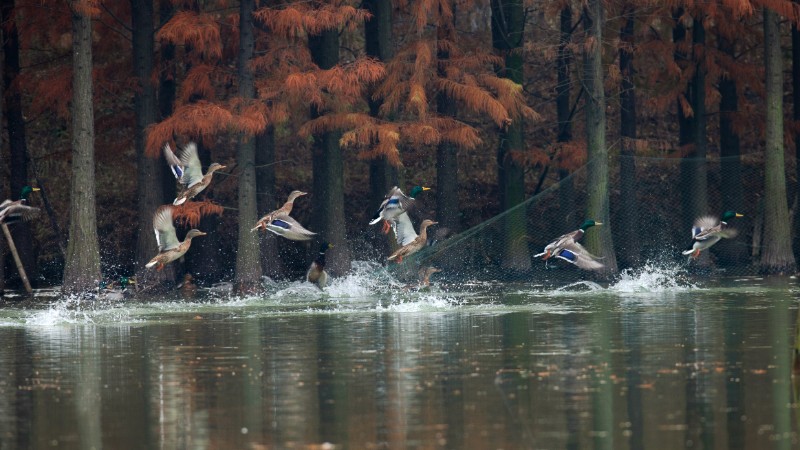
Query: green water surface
pixel 649 362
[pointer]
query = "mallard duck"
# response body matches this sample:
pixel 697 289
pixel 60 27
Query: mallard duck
pixel 414 246
pixel 567 248
pixel 425 275
pixel 394 204
pixel 117 289
pixel 189 172
pixel 316 272
pixel 169 249
pixel 285 209
pixel 187 287
pixel 13 211
pixel 284 225
pixel 708 230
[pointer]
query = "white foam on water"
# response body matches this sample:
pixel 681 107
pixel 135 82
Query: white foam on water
pixel 653 278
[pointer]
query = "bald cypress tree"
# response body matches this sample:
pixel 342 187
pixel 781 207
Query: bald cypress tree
pixel 776 254
pixel 82 269
pixel 600 242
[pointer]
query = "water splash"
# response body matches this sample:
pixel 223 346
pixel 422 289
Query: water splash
pixel 653 278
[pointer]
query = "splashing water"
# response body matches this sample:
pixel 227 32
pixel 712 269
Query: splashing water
pixel 653 278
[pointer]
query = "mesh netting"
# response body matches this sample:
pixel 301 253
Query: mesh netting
pixel 502 248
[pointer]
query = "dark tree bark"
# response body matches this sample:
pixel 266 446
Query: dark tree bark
pixel 447 210
pixel 378 36
pixel 18 161
pixel 266 199
pixel 694 181
pixel 776 254
pixel 508 25
pixel 729 252
pixel 82 269
pixel 248 266
pixel 630 250
pixel 149 170
pixel 599 242
pixel 566 190
pixel 328 168
pixel 796 117
pixel 166 93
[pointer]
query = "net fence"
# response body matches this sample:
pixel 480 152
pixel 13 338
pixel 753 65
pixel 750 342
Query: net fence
pixel 649 227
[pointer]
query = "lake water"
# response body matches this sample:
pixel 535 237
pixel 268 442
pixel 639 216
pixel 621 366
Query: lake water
pixel 652 361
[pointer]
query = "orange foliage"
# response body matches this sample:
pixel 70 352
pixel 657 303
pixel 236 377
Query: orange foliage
pixel 190 213
pixel 292 21
pixel 198 83
pixel 199 31
pixel 201 121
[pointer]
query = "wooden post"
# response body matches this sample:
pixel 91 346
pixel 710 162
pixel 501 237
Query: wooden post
pixel 20 267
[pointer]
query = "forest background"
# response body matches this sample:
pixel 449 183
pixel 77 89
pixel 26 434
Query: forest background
pixel 487 102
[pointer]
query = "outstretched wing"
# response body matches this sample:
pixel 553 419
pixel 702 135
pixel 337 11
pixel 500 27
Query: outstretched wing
pixel 577 254
pixel 403 229
pixel 403 200
pixel 18 211
pixel 286 226
pixel 174 163
pixel 379 214
pixel 164 229
pixel 192 168
pixel 704 224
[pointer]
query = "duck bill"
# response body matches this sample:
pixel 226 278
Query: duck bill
pixel 597 224
pixel 739 215
pixel 426 188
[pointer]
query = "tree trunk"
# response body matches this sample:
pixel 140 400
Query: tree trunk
pixel 271 262
pixel 328 168
pixel 166 93
pixel 447 210
pixel 776 256
pixel 82 268
pixel 694 181
pixel 566 189
pixel 630 250
pixel 599 242
pixel 18 162
pixel 149 172
pixel 248 266
pixel 378 36
pixel 796 117
pixel 508 24
pixel 730 252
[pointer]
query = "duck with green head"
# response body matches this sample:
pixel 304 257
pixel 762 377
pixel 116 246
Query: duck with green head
pixel 13 211
pixel 567 248
pixel 394 204
pixel 316 272
pixel 708 230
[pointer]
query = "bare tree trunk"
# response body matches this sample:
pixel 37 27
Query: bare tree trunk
pixel 599 242
pixel 248 266
pixel 82 269
pixel 166 93
pixel 150 170
pixel 379 45
pixel 630 250
pixel 18 162
pixel 694 181
pixel 730 252
pixel 271 262
pixel 447 210
pixel 776 256
pixel 328 167
pixel 566 190
pixel 508 26
pixel 796 117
